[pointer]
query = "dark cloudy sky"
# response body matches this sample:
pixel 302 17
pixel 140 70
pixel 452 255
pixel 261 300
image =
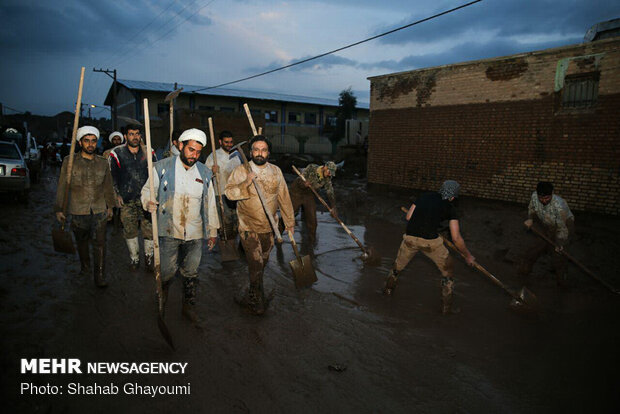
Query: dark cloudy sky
pixel 207 42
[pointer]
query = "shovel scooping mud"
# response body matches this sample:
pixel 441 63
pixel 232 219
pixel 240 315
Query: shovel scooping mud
pixel 368 253
pixel 303 272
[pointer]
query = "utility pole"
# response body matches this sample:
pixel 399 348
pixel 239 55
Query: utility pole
pixel 111 74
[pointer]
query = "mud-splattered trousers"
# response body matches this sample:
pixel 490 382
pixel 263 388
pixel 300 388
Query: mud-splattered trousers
pixel 435 250
pixel 133 217
pixel 257 247
pixel 89 228
pixel 302 196
pixel 540 247
pixel 183 256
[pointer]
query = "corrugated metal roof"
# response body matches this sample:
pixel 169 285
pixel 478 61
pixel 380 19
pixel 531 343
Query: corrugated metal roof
pixel 237 93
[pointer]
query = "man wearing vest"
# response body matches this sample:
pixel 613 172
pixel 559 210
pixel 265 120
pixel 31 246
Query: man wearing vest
pixel 186 214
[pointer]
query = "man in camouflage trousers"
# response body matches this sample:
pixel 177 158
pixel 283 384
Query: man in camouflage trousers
pixel 552 215
pixel 316 177
pixel 91 198
pixel 129 167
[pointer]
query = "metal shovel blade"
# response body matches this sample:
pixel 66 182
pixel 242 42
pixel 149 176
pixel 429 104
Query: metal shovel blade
pixel 303 272
pixel 371 257
pixel 63 242
pixel 228 250
pixel 525 302
pixel 163 329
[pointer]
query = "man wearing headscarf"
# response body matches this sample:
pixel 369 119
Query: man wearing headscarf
pixel 423 220
pixel 317 177
pixel 186 214
pixel 553 216
pixel 91 198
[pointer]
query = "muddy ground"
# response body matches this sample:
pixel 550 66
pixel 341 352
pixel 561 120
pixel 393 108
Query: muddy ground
pixel 400 354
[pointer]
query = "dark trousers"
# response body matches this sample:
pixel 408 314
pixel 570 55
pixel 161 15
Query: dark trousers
pixel 180 255
pixel 91 227
pixel 306 199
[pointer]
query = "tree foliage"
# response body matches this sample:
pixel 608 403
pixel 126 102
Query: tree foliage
pixel 346 109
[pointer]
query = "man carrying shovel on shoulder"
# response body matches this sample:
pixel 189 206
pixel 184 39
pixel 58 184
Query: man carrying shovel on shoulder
pixel 186 214
pixel 423 219
pixel 254 226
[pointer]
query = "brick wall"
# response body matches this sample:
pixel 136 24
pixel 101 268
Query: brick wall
pixel 497 127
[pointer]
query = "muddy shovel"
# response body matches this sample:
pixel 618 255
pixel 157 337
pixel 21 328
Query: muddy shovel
pixel 163 329
pixel 228 247
pixel 368 253
pixel 524 300
pixel 63 242
pixel 303 272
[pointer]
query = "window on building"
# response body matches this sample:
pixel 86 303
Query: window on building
pixel 205 108
pixel 226 109
pixel 331 120
pixel 580 90
pixel 310 118
pixel 162 109
pixel 294 118
pixel 271 116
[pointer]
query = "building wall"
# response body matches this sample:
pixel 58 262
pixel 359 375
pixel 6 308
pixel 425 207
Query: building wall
pixel 498 127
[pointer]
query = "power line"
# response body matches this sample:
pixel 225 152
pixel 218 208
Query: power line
pixel 341 48
pixel 124 58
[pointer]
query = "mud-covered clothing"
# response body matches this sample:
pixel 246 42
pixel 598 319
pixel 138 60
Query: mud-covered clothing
pixel 89 227
pixel 91 189
pixel 250 211
pixel 554 216
pixel 430 210
pixel 129 171
pixel 314 176
pixel 186 199
pixel 538 248
pixel 306 199
pixel 257 247
pixel 134 217
pixel 434 249
pixel 180 255
pixel 225 164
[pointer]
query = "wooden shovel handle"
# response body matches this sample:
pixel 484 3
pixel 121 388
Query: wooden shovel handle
pixel 572 259
pixel 249 115
pixel 291 237
pixel 76 120
pixel 216 178
pixel 349 232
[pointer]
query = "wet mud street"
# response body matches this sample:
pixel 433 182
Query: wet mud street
pixel 340 346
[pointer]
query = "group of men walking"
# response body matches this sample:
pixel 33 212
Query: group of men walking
pixel 187 211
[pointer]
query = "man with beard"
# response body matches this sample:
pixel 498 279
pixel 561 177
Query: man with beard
pixel 254 227
pixel 226 163
pixel 302 196
pixel 116 139
pixel 551 214
pixel 186 214
pixel 129 167
pixel 423 220
pixel 91 198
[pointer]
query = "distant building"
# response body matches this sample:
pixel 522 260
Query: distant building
pixel 285 119
pixel 500 125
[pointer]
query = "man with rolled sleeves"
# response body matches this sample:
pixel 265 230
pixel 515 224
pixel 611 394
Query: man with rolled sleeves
pixel 91 199
pixel 254 227
pixel 129 167
pixel 186 214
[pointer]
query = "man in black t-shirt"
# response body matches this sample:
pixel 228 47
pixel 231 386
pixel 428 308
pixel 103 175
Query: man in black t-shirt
pixel 423 219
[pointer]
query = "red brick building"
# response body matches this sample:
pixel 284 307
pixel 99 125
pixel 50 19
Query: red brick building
pixel 498 126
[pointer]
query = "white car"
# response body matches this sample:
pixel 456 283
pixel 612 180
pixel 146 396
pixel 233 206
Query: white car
pixel 14 173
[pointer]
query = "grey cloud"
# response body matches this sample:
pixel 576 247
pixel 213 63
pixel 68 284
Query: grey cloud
pixel 325 62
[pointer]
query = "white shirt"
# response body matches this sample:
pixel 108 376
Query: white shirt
pixel 188 192
pixel 225 164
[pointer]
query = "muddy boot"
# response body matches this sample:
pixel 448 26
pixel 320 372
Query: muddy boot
pixel 99 267
pixel 149 263
pixel 252 299
pixel 447 285
pixel 84 253
pixel 134 253
pixel 390 282
pixel 189 300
